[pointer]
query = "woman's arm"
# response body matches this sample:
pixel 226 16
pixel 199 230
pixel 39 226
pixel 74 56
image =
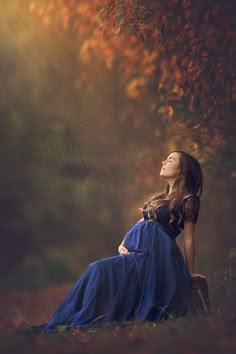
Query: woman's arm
pixel 189 247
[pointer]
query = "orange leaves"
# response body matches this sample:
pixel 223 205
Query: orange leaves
pixel 32 6
pixel 180 55
pixel 169 111
pixel 93 49
pixel 145 63
pixel 114 27
pixel 177 91
pixel 46 20
pixel 69 14
pixel 87 47
pixel 83 8
pixel 82 336
pixel 134 87
pixel 166 111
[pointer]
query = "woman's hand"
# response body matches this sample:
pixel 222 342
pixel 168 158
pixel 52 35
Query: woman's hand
pixel 122 249
pixel 194 275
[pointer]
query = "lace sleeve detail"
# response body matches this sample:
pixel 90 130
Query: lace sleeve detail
pixel 190 209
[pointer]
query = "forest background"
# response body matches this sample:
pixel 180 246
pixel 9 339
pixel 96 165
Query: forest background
pixel 94 95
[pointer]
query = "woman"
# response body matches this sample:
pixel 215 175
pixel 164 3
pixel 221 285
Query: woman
pixel 149 279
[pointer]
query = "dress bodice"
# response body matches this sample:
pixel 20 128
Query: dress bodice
pixel 189 210
pixel 163 218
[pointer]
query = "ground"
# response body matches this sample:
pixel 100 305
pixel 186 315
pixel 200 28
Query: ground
pixel 191 334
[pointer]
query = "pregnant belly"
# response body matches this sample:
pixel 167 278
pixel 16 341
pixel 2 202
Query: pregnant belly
pixel 135 238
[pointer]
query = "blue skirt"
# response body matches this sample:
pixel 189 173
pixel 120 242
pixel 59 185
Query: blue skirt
pixel 146 284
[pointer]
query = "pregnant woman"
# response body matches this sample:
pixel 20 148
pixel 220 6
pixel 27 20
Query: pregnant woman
pixel 149 279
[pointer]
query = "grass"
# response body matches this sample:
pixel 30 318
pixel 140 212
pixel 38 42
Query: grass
pixel 192 334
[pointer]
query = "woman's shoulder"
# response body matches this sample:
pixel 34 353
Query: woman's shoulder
pixel 191 200
pixel 190 207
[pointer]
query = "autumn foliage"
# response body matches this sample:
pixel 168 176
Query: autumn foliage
pixel 176 57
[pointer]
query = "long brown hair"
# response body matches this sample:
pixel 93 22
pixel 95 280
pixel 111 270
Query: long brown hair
pixel 188 181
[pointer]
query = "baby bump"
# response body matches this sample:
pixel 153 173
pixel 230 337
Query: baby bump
pixel 148 235
pixel 138 238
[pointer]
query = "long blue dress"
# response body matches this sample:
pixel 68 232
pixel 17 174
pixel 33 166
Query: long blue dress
pixel 146 284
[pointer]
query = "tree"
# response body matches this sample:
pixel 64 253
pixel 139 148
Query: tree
pixel 177 56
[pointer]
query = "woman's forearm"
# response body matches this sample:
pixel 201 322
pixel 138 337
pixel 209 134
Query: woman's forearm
pixel 189 250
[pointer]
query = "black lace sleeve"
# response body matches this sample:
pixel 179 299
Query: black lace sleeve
pixel 190 209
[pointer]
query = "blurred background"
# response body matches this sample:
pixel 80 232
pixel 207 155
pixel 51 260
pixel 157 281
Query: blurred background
pixel 89 109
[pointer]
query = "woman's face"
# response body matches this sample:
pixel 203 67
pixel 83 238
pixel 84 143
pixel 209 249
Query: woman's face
pixel 170 166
